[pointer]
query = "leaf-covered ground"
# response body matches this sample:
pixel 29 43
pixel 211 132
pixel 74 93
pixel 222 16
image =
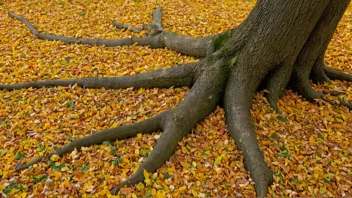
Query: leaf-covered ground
pixel 310 150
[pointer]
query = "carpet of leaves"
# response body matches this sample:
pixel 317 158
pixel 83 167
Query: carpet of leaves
pixel 309 151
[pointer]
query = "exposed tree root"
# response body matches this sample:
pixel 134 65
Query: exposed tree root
pixel 127 27
pixel 157 38
pixel 154 28
pixel 310 61
pixel 337 75
pixel 291 53
pixel 176 123
pixel 307 91
pixel 333 93
pixel 238 96
pixel 88 41
pixel 318 74
pixel 121 132
pixel 277 83
pixel 177 76
pixel 200 102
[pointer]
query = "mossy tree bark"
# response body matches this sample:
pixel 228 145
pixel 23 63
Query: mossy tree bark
pixel 280 43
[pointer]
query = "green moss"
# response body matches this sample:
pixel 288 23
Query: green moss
pixel 230 64
pixel 219 41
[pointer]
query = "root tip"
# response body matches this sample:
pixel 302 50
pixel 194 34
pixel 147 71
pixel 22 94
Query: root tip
pixel 20 167
pixel 117 188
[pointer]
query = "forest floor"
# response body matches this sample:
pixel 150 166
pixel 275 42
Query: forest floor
pixel 309 151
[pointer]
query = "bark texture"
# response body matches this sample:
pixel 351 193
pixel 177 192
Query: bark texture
pixel 280 43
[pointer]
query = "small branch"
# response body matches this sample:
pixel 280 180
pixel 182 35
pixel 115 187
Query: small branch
pixel 122 132
pixel 177 76
pixel 337 75
pixel 126 27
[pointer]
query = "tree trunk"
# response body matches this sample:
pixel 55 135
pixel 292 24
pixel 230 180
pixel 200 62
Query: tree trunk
pixel 279 42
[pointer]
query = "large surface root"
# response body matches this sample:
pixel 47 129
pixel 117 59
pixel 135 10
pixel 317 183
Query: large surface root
pixel 121 132
pixel 200 102
pixel 157 37
pixel 175 124
pixel 237 100
pixel 177 76
pixel 337 75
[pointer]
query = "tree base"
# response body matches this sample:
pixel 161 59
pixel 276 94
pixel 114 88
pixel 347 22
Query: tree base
pixel 236 63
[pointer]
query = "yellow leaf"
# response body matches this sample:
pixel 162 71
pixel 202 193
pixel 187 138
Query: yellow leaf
pixel 194 193
pixel 22 132
pixel 148 181
pixel 184 150
pixel 153 192
pixel 194 164
pixel 185 164
pixel 329 118
pixel 312 139
pixel 116 124
pixel 140 187
pixel 183 188
pixel 160 194
pixel 218 160
pixel 154 176
pixel 146 174
pixel 54 158
pixel 24 194
pixel 123 174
